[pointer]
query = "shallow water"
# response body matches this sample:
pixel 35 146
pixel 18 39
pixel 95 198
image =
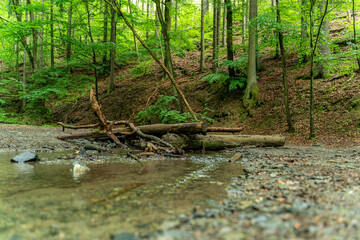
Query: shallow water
pixel 46 201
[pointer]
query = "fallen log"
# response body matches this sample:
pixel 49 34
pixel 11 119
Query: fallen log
pixel 154 129
pixel 219 142
pixel 224 129
pixel 162 129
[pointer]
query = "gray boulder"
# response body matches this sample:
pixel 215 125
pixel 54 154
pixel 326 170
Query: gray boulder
pixel 25 157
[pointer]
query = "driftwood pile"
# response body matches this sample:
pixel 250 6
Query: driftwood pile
pixel 171 138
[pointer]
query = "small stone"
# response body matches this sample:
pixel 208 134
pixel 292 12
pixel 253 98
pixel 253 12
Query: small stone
pixel 273 175
pixel 123 236
pixel 169 224
pixel 25 157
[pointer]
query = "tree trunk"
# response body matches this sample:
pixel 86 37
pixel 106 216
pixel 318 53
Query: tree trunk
pixel 215 37
pixel 224 25
pixel 69 28
pixel 202 40
pixel 168 5
pixel 229 37
pixel 285 81
pixel 112 51
pixel 23 39
pixel 176 14
pixel 93 50
pixel 147 19
pixel 250 96
pixel 273 5
pixel 243 27
pixel 41 50
pixel 135 43
pixel 52 42
pixel 34 39
pixel 219 142
pixel 154 129
pixel 354 30
pixel 105 30
pixel 168 59
pixel 321 66
pixel 24 81
pixel 303 58
pixel 313 49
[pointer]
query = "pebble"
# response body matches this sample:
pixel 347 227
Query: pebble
pixel 123 236
pixel 25 157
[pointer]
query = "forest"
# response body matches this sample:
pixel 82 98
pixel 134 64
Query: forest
pixel 179 119
pixel 53 52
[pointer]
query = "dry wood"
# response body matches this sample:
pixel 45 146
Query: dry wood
pixel 236 157
pixel 141 134
pixel 219 142
pixel 154 129
pixel 114 195
pixel 104 126
pixel 78 127
pixel 223 129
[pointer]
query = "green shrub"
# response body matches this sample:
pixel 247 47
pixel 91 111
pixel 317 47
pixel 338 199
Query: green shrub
pixel 162 112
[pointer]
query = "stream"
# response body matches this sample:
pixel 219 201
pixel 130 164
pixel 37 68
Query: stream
pixel 45 200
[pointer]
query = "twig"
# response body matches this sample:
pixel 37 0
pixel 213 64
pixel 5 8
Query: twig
pixel 137 131
pixel 114 195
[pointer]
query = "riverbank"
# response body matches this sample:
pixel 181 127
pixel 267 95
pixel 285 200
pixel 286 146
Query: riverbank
pixel 291 192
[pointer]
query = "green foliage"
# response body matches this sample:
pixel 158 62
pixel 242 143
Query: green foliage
pixel 222 79
pixel 162 111
pixel 142 68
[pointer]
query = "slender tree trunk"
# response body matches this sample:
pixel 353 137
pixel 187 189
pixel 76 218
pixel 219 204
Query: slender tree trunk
pixel 273 4
pixel 105 30
pixel 215 63
pixel 304 58
pixel 52 42
pixel 23 39
pixel 34 39
pixel 164 30
pixel 147 19
pixel 69 28
pixel 229 37
pixel 224 25
pixel 93 50
pixel 17 61
pixel 168 5
pixel 135 43
pixel 243 27
pixel 202 40
pixel 251 92
pixel 322 67
pixel 354 30
pixel 313 50
pixel 41 50
pixel 176 14
pixel 24 82
pixel 218 28
pixel 112 51
pixel 285 81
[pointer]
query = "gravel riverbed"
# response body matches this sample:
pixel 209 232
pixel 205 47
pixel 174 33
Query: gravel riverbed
pixel 291 192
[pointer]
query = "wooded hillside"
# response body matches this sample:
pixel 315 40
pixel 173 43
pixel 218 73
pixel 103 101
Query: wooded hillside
pixel 270 67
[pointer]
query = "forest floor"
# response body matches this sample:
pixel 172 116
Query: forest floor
pixel 337 100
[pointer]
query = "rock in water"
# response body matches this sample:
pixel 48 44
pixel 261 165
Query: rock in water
pixel 79 169
pixel 25 157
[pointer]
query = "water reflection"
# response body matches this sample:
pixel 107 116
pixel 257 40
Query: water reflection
pixel 24 168
pixel 49 195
